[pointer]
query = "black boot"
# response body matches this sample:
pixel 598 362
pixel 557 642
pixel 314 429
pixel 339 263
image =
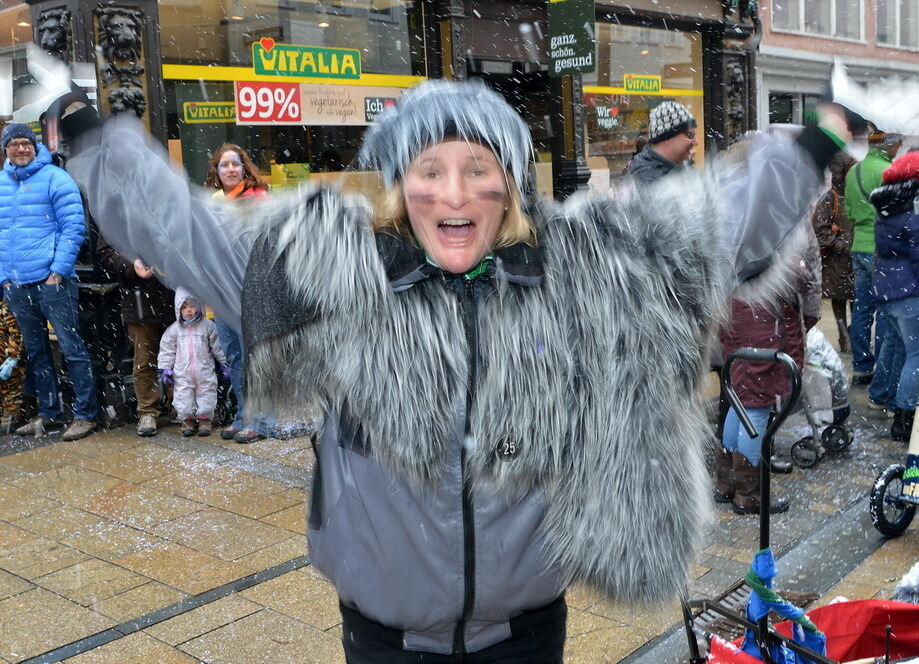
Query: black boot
pixel 902 426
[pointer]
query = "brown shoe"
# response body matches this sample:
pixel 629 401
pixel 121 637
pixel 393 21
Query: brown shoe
pixel 35 427
pixel 204 426
pixel 248 436
pixel 747 488
pixel 78 429
pixel 724 476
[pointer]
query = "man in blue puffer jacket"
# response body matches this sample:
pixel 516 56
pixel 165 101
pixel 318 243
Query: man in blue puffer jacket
pixel 41 230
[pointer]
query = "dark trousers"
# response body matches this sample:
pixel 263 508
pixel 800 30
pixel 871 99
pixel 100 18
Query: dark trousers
pixel 537 637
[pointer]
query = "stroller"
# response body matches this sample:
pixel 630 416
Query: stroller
pixel 826 402
pixel 846 630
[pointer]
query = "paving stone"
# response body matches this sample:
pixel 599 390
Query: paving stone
pixel 91 581
pixel 139 506
pixel 30 556
pixel 292 519
pixel 137 648
pixel 301 596
pixel 581 597
pixel 138 601
pixel 10 584
pixel 224 494
pixel 203 619
pixel 129 465
pixel 183 568
pixel 90 533
pixel 41 459
pixel 73 485
pixel 16 503
pixel 25 620
pixel 266 637
pixel 220 533
pixel 593 639
pixel 281 552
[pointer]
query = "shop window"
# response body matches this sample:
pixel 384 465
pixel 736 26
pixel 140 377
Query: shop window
pixel 830 18
pixel 637 68
pixel 15 33
pixel 221 32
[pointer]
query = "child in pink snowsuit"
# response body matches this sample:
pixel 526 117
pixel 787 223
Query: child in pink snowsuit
pixel 188 352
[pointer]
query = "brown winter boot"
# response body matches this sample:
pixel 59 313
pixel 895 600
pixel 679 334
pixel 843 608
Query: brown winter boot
pixel 747 486
pixel 724 476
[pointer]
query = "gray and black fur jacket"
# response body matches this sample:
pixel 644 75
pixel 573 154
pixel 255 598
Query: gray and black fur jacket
pixel 487 442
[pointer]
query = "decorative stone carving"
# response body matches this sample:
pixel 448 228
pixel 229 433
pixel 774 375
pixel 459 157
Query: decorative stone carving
pixel 54 32
pixel 735 99
pixel 120 31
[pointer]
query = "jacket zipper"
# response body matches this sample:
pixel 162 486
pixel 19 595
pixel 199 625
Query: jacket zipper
pixel 470 324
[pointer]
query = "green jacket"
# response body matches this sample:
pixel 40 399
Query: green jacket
pixel 858 208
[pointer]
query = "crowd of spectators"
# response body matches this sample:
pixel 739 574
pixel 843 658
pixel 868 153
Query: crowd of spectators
pixel 42 228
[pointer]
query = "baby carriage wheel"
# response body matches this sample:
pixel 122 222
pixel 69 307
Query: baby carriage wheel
pixel 805 453
pixel 890 514
pixel 836 438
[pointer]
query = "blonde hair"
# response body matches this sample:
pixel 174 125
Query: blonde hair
pixel 516 227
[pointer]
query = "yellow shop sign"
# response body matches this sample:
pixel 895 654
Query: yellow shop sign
pixel 209 111
pixel 272 59
pixel 641 83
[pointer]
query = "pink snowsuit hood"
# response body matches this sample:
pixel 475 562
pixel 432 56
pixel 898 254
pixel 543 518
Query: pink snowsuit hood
pixel 182 294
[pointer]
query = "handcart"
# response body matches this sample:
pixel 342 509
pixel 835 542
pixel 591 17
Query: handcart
pixel 799 641
pixel 895 493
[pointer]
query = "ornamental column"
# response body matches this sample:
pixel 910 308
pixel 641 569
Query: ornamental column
pixel 120 40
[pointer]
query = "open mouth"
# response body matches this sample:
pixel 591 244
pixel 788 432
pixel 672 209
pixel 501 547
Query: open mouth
pixel 456 230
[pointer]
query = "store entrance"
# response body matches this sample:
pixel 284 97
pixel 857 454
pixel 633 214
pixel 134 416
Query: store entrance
pixel 525 86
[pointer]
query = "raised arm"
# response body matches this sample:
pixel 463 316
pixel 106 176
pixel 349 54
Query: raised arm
pixel 146 209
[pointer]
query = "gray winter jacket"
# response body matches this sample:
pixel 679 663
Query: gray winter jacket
pixel 650 166
pixel 487 442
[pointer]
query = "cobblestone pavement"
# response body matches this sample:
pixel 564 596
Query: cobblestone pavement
pixel 116 549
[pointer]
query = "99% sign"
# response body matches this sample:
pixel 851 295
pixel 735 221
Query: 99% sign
pixel 267 103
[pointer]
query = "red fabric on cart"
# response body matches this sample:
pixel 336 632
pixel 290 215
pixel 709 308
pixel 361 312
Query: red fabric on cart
pixel 724 652
pixel 857 629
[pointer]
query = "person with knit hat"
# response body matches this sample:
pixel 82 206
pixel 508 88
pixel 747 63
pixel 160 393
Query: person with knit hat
pixel 895 286
pixel 506 382
pixel 671 142
pixel 861 180
pixel 41 230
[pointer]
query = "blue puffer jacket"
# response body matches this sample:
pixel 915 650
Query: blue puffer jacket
pixel 896 235
pixel 41 221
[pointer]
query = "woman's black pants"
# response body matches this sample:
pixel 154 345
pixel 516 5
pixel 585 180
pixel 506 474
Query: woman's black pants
pixel 537 637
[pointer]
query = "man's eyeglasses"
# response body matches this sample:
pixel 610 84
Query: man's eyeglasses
pixel 18 145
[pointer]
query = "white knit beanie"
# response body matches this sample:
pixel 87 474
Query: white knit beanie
pixel 669 119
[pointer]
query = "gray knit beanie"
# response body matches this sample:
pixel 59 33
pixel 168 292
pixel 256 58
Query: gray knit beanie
pixel 669 119
pixel 435 110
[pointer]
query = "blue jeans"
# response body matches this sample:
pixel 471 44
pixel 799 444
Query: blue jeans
pixel 903 328
pixel 34 305
pixel 863 316
pixel 889 364
pixel 233 347
pixel 736 439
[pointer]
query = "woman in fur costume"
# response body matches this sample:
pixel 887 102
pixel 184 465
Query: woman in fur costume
pixel 510 387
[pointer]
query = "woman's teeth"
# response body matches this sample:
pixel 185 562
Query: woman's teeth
pixel 455 222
